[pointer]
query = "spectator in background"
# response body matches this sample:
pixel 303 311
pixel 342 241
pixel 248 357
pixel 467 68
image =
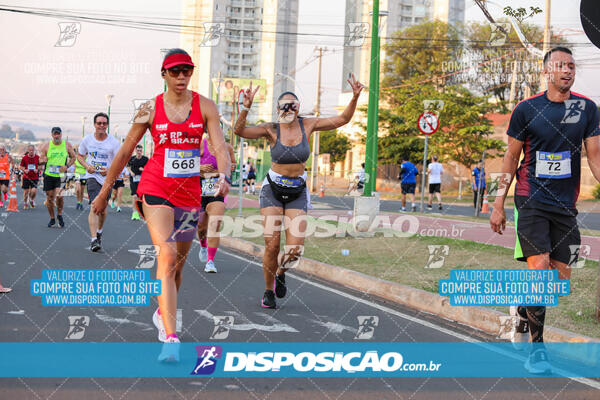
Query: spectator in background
pixel 435 171
pixel 361 177
pixel 408 182
pixel 477 181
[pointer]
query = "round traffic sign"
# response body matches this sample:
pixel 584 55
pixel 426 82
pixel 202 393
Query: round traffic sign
pixel 590 20
pixel 428 123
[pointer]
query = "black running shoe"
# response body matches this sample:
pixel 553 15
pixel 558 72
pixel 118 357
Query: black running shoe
pixel 279 286
pixel 51 223
pixel 99 237
pixel 268 300
pixel 95 246
pixel 61 222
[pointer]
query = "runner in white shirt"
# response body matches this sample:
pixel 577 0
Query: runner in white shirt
pixel 100 150
pixel 435 171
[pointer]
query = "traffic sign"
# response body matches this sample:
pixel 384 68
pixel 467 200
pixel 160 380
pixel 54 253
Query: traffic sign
pixel 428 123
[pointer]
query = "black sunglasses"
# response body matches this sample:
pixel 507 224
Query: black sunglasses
pixel 175 71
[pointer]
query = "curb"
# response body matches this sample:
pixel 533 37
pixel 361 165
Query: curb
pixel 483 319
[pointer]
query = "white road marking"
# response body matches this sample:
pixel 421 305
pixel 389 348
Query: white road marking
pixel 109 319
pixel 584 381
pixel 178 320
pixel 276 325
pixel 20 312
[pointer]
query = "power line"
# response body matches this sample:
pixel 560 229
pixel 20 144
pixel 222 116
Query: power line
pixel 191 29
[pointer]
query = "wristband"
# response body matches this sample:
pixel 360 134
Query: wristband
pixel 244 108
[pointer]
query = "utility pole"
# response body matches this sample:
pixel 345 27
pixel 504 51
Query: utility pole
pixel 543 85
pixel 371 150
pixel 513 87
pixel 315 156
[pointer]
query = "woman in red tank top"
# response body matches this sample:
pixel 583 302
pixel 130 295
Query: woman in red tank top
pixel 169 189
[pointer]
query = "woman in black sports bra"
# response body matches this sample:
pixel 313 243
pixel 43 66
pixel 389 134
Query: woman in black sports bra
pixel 283 192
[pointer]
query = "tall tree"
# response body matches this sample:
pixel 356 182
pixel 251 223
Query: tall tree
pixel 335 144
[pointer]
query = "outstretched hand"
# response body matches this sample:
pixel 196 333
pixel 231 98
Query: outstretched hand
pixel 356 86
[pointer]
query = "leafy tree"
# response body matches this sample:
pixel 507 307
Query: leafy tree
pixel 335 144
pixel 463 132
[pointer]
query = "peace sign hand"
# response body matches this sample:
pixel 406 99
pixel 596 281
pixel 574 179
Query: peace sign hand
pixel 356 86
pixel 249 95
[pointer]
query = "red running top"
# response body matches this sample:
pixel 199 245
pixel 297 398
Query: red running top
pixel 173 170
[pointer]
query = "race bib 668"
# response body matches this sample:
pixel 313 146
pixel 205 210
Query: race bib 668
pixel 182 163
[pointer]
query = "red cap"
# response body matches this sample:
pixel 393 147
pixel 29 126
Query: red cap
pixel 177 59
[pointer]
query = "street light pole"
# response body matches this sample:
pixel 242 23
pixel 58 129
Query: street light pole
pixel 83 126
pixel 109 98
pixel 371 150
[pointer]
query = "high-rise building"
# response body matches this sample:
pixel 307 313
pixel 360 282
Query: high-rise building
pixel 357 53
pixel 400 14
pixel 242 39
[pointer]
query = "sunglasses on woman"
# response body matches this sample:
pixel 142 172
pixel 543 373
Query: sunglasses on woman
pixel 175 71
pixel 289 105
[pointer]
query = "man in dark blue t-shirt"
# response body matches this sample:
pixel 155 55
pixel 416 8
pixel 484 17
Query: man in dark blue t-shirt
pixel 477 181
pixel 548 129
pixel 408 183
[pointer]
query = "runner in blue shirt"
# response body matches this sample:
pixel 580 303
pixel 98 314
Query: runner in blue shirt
pixel 408 183
pixel 549 129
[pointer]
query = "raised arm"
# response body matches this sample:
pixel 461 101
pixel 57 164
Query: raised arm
pixel 329 123
pixel 217 139
pixel 240 128
pixel 141 122
pixel 44 153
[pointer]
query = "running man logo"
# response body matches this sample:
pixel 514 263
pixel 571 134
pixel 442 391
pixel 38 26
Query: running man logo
pixel 222 326
pixel 163 138
pixel 579 253
pixel 290 258
pixel 213 31
pixel 68 34
pixel 207 359
pixel 507 324
pixel 142 109
pixel 186 222
pixel 148 254
pixel 437 255
pixel 3 221
pixel 77 325
pixel 573 111
pixel 499 184
pixel 357 33
pixel 433 105
pixel 499 33
pixel 366 326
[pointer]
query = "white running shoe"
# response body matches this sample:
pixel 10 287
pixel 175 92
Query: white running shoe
pixel 158 323
pixel 538 363
pixel 210 267
pixel 203 254
pixel 170 351
pixel 519 336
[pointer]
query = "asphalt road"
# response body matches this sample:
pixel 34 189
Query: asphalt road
pixel 312 312
pixel 586 219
